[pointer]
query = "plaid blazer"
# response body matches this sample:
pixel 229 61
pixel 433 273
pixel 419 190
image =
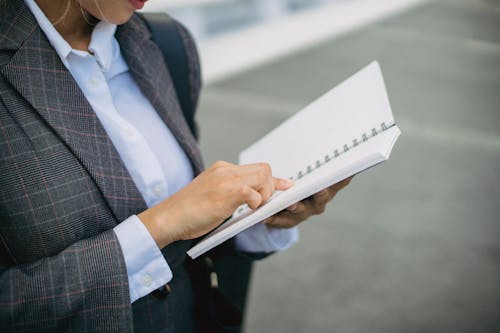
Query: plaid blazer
pixel 63 187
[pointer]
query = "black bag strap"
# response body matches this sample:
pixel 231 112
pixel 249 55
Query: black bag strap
pixel 165 32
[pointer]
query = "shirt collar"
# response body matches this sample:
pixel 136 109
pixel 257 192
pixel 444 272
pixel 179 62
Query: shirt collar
pixel 101 43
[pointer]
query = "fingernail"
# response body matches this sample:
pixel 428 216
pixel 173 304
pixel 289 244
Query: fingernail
pixel 287 182
pixel 293 207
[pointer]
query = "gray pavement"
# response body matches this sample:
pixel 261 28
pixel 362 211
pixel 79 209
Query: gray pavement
pixel 412 245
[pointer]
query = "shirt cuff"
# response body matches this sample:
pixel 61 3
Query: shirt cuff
pixel 147 269
pixel 260 238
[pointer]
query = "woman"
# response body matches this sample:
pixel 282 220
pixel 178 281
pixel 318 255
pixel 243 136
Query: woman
pixel 98 202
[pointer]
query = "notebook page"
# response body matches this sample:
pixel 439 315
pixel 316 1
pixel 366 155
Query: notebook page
pixel 350 109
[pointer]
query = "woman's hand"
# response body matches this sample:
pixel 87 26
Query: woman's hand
pixel 209 199
pixel 300 211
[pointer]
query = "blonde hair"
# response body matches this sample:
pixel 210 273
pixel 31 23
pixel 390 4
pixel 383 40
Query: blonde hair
pixel 66 11
pixel 89 18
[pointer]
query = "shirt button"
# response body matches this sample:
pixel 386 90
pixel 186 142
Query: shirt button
pixel 147 280
pixel 129 132
pixel 157 190
pixel 94 82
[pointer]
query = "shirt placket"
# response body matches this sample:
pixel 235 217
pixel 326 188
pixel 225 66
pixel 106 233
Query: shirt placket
pixel 138 157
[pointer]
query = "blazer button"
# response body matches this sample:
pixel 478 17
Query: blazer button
pixel 162 292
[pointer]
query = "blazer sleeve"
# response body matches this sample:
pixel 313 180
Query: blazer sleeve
pixel 83 288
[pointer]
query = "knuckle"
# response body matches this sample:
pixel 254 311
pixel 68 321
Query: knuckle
pixel 262 174
pixel 265 193
pixel 322 193
pixel 319 209
pixel 245 191
pixel 300 209
pixel 265 169
pixel 289 223
pixel 321 201
pixel 219 164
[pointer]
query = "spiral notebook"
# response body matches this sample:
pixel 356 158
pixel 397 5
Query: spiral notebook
pixel 349 129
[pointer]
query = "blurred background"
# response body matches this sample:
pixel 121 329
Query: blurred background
pixel 412 245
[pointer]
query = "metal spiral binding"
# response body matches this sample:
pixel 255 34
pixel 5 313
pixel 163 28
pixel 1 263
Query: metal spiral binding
pixel 336 153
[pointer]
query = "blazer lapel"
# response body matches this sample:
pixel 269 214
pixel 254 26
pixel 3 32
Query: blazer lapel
pixel 147 66
pixel 37 73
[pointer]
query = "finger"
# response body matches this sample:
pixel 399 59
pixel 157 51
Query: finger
pixel 309 207
pixel 275 184
pixel 253 182
pixel 260 173
pixel 322 196
pixel 251 197
pixel 297 208
pixel 283 221
pixel 334 189
pixel 317 208
pixel 281 184
pixel 259 177
pixel 221 164
pixel 256 175
pixel 267 190
pixel 342 184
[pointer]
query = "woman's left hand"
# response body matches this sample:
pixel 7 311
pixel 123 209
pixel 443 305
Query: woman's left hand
pixel 301 211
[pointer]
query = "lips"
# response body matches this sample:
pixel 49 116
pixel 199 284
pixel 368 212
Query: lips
pixel 138 4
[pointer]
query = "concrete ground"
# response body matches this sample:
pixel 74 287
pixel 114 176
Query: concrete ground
pixel 414 244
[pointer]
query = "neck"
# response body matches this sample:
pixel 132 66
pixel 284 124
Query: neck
pixel 69 21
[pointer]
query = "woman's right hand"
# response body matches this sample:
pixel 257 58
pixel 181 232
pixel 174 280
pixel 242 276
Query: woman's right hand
pixel 210 199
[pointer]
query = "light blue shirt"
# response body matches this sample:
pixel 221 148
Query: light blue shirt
pixel 157 164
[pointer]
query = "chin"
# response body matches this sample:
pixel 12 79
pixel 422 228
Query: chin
pixel 122 18
pixel 119 17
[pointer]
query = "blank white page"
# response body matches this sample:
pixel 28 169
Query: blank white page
pixel 344 113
